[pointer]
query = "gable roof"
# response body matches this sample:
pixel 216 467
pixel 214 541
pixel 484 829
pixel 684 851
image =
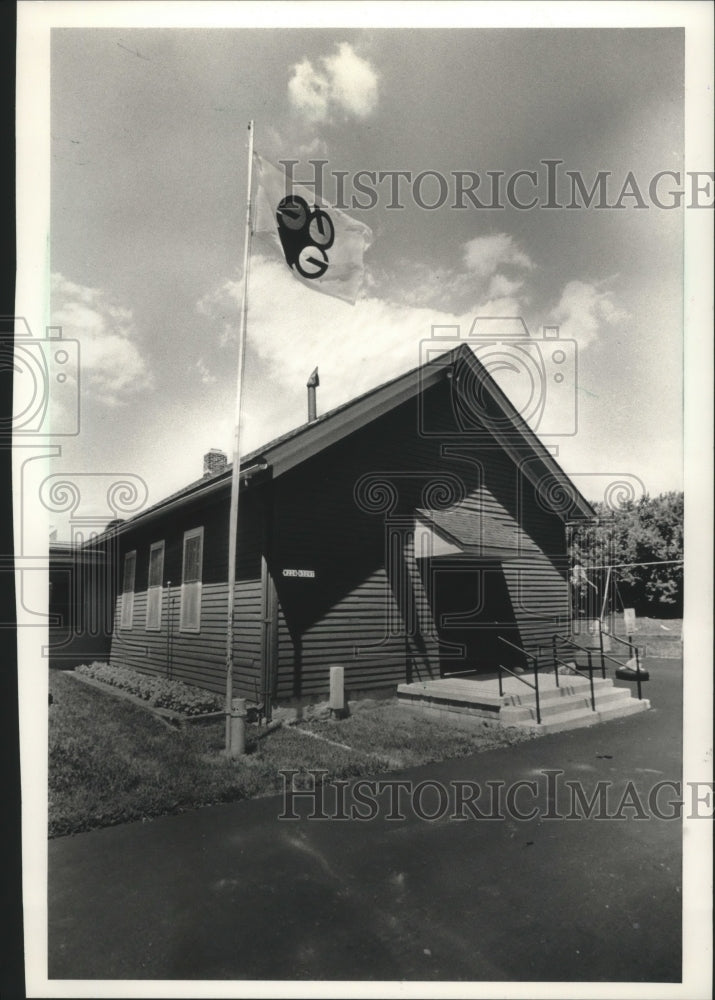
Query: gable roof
pixel 303 442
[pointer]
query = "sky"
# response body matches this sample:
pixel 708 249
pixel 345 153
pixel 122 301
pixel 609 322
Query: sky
pixel 148 180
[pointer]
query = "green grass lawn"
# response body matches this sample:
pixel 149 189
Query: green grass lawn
pixel 111 761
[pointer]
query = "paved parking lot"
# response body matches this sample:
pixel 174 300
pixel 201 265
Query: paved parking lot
pixel 232 892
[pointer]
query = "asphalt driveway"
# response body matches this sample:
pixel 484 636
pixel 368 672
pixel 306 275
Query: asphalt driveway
pixel 232 892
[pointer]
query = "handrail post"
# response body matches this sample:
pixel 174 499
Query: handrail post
pixel 536 691
pixel 590 678
pixel 501 690
pixel 603 663
pixel 638 673
pixel 556 667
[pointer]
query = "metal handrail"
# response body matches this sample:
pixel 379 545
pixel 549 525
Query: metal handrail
pixel 624 642
pixel 570 666
pixel 632 648
pixel 534 687
pixel 565 638
pixel 500 667
pixel 513 645
pixel 613 659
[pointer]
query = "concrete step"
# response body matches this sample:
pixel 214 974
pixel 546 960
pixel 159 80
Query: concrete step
pixel 489 682
pixel 578 718
pixel 631 707
pixel 581 718
pixel 467 702
pixel 485 692
pixel 569 687
pixel 605 698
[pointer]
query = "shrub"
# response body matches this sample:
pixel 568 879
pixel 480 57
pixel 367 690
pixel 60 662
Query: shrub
pixel 160 692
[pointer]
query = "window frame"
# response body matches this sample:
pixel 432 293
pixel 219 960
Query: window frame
pixel 192 628
pixel 126 616
pixel 150 590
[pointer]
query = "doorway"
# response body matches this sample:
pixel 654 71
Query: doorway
pixel 472 609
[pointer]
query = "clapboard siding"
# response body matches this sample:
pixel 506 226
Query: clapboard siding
pixel 350 634
pixel 540 597
pixel 197 658
pixel 347 514
pixel 321 524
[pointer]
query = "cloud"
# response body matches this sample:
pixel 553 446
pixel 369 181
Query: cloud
pixel 484 255
pixel 353 81
pixel 447 289
pixel 584 310
pixel 111 366
pixel 474 284
pixel 309 91
pixel 316 149
pixel 205 376
pixel 221 306
pixel 290 143
pixel 344 83
pixel 500 286
pixel 291 329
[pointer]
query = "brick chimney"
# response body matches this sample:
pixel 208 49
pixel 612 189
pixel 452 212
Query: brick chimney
pixel 215 461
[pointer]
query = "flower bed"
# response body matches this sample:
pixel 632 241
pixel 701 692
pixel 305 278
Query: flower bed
pixel 159 692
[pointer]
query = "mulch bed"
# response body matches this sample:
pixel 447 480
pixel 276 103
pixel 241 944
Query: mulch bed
pixel 168 717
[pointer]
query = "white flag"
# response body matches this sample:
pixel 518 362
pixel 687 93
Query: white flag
pixel 321 245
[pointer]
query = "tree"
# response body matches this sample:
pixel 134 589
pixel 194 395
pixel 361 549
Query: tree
pixel 649 530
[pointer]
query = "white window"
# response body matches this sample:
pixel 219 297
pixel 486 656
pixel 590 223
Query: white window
pixel 190 618
pixel 155 588
pixel 130 565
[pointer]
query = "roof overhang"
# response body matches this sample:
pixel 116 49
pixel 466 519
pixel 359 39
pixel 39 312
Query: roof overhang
pixel 515 437
pixel 258 470
pixel 277 458
pixel 334 427
pixel 433 541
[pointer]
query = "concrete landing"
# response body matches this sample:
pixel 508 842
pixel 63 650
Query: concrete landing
pixel 473 699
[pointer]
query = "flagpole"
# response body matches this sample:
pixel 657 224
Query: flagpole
pixel 234 744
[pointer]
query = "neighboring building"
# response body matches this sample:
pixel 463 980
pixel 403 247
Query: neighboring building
pixel 399 535
pixel 80 604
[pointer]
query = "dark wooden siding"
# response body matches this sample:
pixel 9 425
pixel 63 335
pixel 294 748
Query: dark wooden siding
pixel 197 658
pixel 369 612
pixel 422 643
pixel 538 578
pixel 346 614
pixel 347 514
pixel 518 515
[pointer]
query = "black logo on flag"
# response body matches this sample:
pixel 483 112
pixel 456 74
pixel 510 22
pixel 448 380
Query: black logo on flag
pixel 306 235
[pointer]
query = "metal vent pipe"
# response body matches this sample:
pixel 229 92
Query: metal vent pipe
pixel 312 383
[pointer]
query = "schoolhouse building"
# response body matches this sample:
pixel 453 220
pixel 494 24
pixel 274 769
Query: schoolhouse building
pixel 400 536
